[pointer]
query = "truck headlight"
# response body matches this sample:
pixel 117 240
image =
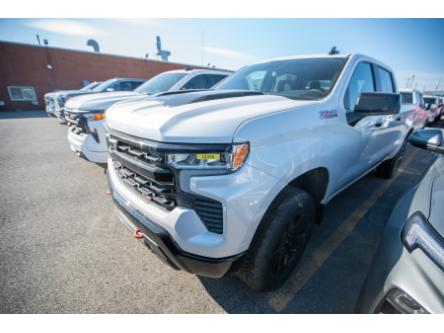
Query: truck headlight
pixel 232 159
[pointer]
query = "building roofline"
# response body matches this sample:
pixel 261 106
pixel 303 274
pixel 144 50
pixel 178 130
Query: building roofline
pixel 111 55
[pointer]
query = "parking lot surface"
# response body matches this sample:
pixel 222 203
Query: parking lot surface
pixel 63 250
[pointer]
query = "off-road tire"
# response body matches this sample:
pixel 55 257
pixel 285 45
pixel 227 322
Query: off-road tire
pixel 287 224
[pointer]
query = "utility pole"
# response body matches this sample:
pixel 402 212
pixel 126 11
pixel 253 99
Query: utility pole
pixel 438 84
pixel 407 82
pixel 413 80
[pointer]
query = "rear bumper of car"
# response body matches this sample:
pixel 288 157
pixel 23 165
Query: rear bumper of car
pixel 159 241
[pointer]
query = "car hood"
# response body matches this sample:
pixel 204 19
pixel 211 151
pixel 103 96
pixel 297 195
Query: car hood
pixel 72 93
pixel 194 117
pixel 99 101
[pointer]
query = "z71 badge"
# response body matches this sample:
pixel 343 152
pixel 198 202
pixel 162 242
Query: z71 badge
pixel 329 114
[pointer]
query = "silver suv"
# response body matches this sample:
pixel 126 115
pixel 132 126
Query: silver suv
pixel 407 273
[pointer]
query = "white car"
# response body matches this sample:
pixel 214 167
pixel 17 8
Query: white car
pixel 239 174
pixel 433 108
pixel 412 108
pixel 85 114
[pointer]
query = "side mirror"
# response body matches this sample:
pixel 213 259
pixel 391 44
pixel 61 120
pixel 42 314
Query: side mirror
pixel 378 104
pixel 430 139
pixel 109 89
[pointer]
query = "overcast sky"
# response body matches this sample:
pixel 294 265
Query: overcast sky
pixel 408 46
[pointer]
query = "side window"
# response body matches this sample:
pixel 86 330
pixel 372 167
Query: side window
pixel 361 81
pixel 196 82
pixel 135 84
pixel 216 78
pixel 125 86
pixel 386 80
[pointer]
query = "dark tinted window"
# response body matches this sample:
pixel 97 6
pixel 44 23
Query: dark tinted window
pixel 430 102
pixel 407 98
pixel 361 81
pixel 135 84
pixel 199 82
pixel 386 81
pixel 123 86
pixel 307 79
pixel 215 78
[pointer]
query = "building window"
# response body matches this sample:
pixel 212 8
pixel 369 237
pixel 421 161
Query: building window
pixel 17 93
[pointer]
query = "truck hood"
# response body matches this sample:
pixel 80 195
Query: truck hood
pixel 71 93
pixel 195 117
pixel 99 101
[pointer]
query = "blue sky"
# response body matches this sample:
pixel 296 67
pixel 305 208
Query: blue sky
pixel 409 46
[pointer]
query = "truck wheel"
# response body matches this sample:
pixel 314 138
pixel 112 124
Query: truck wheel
pixel 280 240
pixel 389 168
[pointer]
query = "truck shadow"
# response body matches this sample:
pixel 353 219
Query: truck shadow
pixel 331 273
pixel 22 114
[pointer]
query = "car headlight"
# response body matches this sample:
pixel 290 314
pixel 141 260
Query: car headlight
pixel 232 159
pixel 418 233
pixel 95 116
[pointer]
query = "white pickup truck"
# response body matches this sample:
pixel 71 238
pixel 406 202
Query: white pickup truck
pixel 234 178
pixel 85 114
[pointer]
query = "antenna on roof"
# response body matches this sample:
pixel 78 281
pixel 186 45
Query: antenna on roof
pixel 333 51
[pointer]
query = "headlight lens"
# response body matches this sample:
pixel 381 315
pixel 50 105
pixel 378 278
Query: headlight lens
pixel 232 159
pixel 418 233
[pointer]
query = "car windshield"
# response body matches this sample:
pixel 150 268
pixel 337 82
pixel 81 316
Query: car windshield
pixel 407 98
pixel 90 86
pixel 306 79
pixel 104 85
pixel 430 102
pixel 160 83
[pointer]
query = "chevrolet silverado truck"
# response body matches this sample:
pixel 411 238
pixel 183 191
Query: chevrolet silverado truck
pixel 413 108
pixel 115 84
pixel 49 97
pixel 433 107
pixel 85 114
pixel 234 178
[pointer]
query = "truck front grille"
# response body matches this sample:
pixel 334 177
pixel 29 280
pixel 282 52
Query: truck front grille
pixel 76 122
pixel 143 169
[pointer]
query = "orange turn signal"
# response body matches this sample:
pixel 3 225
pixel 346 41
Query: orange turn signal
pixel 99 116
pixel 240 154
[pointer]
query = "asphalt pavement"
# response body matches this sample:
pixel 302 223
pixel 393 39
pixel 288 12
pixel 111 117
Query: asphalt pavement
pixel 63 250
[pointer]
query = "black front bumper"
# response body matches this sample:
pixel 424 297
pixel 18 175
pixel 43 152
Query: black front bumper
pixel 160 242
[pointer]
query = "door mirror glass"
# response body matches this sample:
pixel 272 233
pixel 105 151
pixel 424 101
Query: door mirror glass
pixel 378 104
pixel 430 139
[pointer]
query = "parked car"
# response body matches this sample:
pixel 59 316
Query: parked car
pixel 115 84
pixel 407 273
pixel 49 97
pixel 412 108
pixel 432 106
pixel 85 114
pixel 235 178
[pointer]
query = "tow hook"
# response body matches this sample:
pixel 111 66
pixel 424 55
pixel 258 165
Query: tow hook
pixel 138 234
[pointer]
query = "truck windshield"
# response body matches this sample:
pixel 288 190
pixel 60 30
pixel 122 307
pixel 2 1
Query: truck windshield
pixel 430 102
pixel 90 86
pixel 104 85
pixel 160 83
pixel 407 98
pixel 306 79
